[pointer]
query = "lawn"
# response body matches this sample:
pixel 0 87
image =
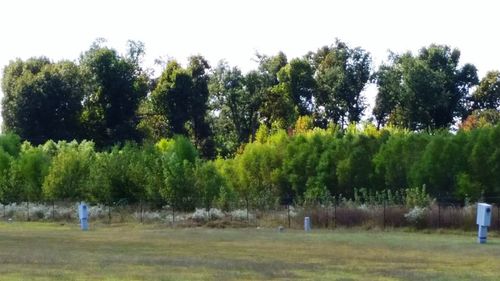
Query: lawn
pixel 46 251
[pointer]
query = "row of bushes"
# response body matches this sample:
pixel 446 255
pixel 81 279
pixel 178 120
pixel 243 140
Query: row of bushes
pixel 365 166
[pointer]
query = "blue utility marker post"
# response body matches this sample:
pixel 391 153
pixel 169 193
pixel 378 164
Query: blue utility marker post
pixel 483 221
pixel 83 213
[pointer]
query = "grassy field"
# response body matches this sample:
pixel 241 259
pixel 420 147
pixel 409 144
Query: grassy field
pixel 45 251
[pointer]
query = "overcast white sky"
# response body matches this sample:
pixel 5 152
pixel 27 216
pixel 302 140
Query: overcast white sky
pixel 235 29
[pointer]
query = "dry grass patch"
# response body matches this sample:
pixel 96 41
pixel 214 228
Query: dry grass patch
pixel 44 251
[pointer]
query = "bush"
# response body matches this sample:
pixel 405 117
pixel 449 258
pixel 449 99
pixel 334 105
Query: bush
pixel 417 197
pixel 241 215
pixel 416 216
pixel 201 215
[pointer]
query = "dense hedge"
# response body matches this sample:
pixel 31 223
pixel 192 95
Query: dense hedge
pixel 305 165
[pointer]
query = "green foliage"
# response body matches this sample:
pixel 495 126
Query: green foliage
pixel 278 107
pixel 114 88
pixel 298 77
pixel 8 193
pixel 417 197
pixel 232 111
pixel 181 97
pixel 487 94
pixel 28 171
pixel 426 91
pixel 42 100
pixel 178 162
pixel 288 131
pixel 120 175
pixel 313 166
pixel 396 157
pixel 11 144
pixel 67 176
pixel 209 183
pixel 228 198
pixel 341 75
pixel 379 197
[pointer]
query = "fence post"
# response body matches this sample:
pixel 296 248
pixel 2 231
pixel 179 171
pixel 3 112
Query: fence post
pixel 328 216
pixel 439 215
pixel 498 216
pixel 248 218
pixel 384 216
pixel 28 207
pixel 109 214
pixel 173 215
pixel 335 213
pixel 288 210
pixel 53 211
pixel 141 210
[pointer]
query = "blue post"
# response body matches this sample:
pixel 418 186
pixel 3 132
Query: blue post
pixel 84 216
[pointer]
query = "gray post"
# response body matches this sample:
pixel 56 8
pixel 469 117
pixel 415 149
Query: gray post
pixel 384 216
pixel 498 216
pixel 289 221
pixel 439 215
pixel 173 215
pixel 483 220
pixel 335 213
pixel 307 224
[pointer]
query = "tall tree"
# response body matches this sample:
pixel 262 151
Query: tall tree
pixel 269 66
pixel 171 97
pixel 426 91
pixel 389 88
pixel 198 67
pixel 231 108
pixel 341 73
pixel 181 96
pixel 276 106
pixel 42 100
pixel 114 87
pixel 298 76
pixel 487 94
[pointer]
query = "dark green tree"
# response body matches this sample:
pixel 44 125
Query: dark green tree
pixel 42 100
pixel 114 87
pixel 198 108
pixel 298 76
pixel 232 108
pixel 426 91
pixel 277 107
pixel 269 66
pixel 389 88
pixel 279 90
pixel 487 94
pixel 172 98
pixel 341 75
pixel 181 96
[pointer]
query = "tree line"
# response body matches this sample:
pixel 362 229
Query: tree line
pixel 111 98
pixel 309 165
